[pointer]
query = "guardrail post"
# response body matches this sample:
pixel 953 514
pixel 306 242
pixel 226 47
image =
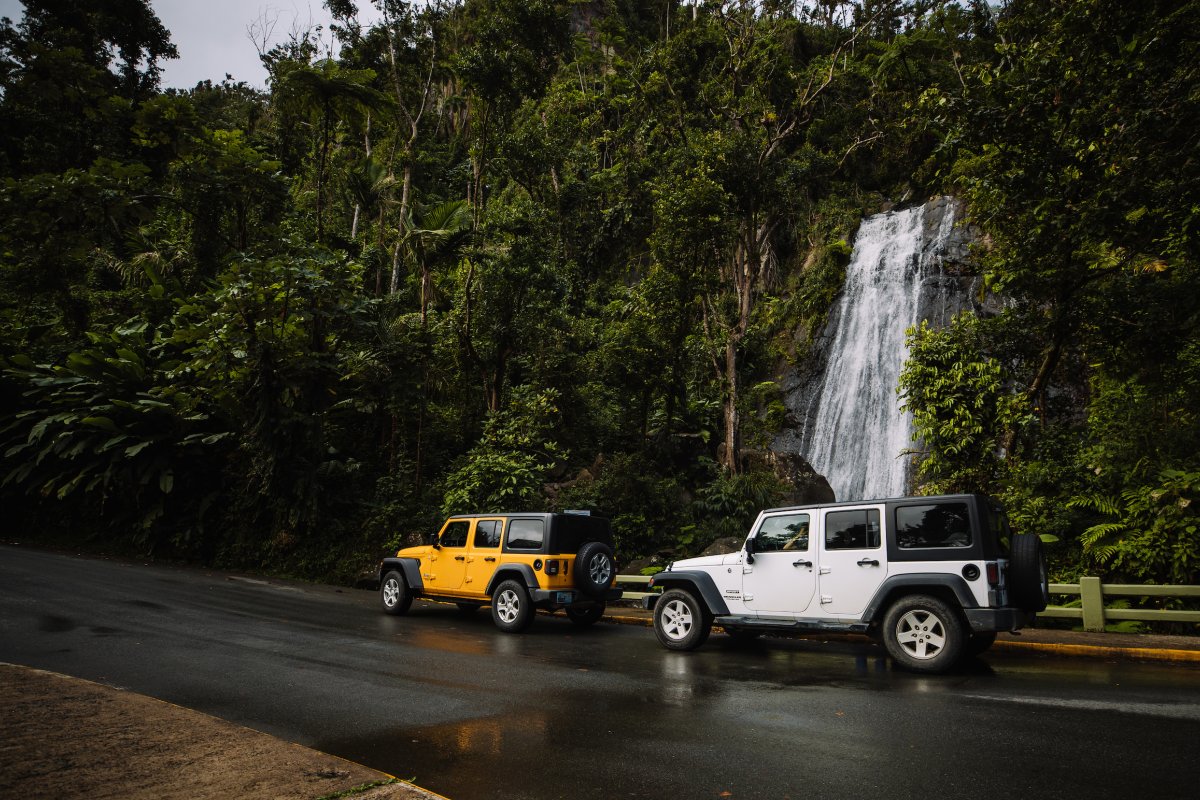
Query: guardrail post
pixel 1092 595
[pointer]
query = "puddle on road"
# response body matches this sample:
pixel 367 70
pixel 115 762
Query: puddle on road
pixel 536 753
pixel 52 623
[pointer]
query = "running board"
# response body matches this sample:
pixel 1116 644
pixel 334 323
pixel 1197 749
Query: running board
pixel 795 626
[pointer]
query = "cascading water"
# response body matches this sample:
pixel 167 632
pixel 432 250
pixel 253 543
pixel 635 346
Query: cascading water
pixel 854 430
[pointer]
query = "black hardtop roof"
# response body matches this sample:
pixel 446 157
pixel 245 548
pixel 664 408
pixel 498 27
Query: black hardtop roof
pixel 889 500
pixel 539 514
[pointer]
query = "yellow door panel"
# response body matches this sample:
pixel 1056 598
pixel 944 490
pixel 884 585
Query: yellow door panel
pixel 447 565
pixel 483 555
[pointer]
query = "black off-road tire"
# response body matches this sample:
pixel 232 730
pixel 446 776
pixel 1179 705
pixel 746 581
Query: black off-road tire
pixel 979 643
pixel 585 617
pixel 681 622
pixel 1028 587
pixel 923 634
pixel 393 594
pixel 512 608
pixel 594 568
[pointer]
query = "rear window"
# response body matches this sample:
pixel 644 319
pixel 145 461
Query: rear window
pixel 852 530
pixel 487 533
pixel 526 534
pixel 933 525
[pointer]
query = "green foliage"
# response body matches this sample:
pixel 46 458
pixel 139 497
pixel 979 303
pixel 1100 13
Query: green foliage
pixel 1153 529
pixel 961 408
pixel 507 469
pixel 728 505
pixel 113 431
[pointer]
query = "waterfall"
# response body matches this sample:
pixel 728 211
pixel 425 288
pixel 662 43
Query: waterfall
pixel 854 432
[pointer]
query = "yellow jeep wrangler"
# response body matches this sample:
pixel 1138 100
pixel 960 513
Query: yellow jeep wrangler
pixel 515 562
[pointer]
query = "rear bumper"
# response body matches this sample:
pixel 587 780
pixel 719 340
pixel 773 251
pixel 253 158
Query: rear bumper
pixel 554 598
pixel 997 619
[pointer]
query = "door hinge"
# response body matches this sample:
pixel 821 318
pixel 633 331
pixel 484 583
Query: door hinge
pixel 825 570
pixel 747 597
pixel 826 599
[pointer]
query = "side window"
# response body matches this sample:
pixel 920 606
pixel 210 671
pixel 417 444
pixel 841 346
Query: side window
pixel 525 534
pixel 789 532
pixel 487 533
pixel 933 525
pixel 852 530
pixel 455 534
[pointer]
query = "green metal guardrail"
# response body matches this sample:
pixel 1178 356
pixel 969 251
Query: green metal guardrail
pixel 1094 615
pixel 1091 593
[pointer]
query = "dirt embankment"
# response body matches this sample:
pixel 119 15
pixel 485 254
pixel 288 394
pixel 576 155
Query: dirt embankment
pixel 63 738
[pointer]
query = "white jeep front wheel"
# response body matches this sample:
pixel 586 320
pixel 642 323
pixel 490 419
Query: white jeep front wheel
pixel 681 622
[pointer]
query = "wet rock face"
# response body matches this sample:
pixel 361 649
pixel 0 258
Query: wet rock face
pixel 807 487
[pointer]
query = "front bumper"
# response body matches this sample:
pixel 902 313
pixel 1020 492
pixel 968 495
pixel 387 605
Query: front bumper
pixel 998 619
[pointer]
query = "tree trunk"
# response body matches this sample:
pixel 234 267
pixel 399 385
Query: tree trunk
pixel 730 456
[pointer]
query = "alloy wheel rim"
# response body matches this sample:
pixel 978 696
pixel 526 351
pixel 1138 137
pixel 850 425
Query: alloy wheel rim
pixel 600 569
pixel 676 620
pixel 508 605
pixel 391 593
pixel 921 634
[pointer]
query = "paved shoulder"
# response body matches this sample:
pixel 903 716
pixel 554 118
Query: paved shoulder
pixel 70 738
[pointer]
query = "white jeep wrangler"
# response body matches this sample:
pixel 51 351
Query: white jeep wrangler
pixel 934 578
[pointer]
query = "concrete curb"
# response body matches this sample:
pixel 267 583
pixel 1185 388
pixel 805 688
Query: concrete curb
pixel 1099 651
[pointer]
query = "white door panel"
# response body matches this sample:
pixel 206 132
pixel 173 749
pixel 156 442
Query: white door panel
pixel 853 561
pixel 782 580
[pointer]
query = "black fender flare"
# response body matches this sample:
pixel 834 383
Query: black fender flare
pixel 918 580
pixel 700 583
pixel 508 571
pixel 410 568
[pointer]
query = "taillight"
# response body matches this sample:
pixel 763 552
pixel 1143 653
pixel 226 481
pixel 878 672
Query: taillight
pixel 993 573
pixel 551 567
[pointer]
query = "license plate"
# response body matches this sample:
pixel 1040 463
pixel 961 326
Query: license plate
pixel 564 597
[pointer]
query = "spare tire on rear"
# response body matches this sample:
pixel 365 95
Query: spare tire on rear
pixel 1028 588
pixel 594 570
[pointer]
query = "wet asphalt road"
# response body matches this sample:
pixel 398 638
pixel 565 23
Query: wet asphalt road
pixel 456 706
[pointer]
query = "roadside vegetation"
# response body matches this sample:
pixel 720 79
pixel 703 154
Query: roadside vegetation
pixel 551 254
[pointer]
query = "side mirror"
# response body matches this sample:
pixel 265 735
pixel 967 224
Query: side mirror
pixel 432 540
pixel 750 550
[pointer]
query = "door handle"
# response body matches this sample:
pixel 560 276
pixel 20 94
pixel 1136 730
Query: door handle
pixel 464 558
pixel 801 563
pixel 489 558
pixel 868 562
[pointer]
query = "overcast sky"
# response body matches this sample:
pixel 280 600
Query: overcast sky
pixel 212 38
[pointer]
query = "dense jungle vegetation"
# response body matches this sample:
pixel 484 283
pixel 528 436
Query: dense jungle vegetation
pixel 547 254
